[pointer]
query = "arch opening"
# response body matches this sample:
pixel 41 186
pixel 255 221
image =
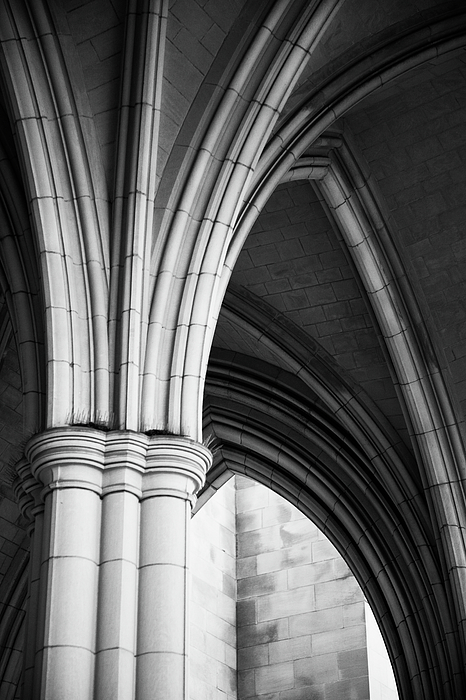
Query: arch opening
pixel 275 610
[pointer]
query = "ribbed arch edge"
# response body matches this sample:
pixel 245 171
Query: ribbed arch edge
pixel 68 212
pixel 383 541
pixel 435 434
pixel 180 333
pixel 136 180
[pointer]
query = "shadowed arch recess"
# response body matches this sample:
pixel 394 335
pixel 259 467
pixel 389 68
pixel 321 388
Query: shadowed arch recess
pixel 283 438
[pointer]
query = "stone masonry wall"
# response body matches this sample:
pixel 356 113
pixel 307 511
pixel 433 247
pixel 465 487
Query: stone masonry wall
pixel 301 622
pixel 213 599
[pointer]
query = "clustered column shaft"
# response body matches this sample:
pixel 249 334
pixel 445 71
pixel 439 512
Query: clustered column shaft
pixel 108 610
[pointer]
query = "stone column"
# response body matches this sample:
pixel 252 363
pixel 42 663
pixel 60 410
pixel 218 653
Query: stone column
pixel 109 595
pixel 174 472
pixel 69 465
pixel 117 610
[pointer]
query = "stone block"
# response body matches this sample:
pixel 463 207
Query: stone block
pixel 354 614
pixel 197 638
pixel 308 279
pixel 352 663
pixel 258 274
pixel 262 584
pixel 289 649
pixel 424 150
pixel 323 549
pixel 201 669
pixel 246 612
pixel 270 561
pixel 247 567
pixel 316 669
pixel 316 621
pixel 262 633
pixel 324 294
pixel 246 495
pixel 226 678
pixel 230 656
pixel 222 12
pixel 280 512
pixel 354 688
pixel 204 595
pixel 206 571
pixel 453 138
pixel 250 520
pixel 345 289
pixel 338 592
pixel 253 656
pixel 274 221
pixel 318 244
pixel 193 49
pixel 299 213
pixel 307 264
pixel 280 199
pixel 311 573
pixel 181 72
pixel 198 690
pixel 301 193
pixel 285 603
pixel 291 249
pixel 229 586
pixel 90 19
pixel 258 541
pixel 214 648
pixel 295 299
pixel 274 678
pixel 213 39
pixel 220 628
pixel 246 685
pixel 339 640
pixel 312 316
pixel 226 608
pixel 329 328
pixel 281 270
pixel 295 532
pixel 294 231
pixel 277 286
pixel 330 275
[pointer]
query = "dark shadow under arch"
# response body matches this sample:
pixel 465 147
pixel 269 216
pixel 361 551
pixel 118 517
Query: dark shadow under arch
pixel 285 440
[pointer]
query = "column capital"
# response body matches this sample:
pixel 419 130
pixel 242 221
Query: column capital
pixel 125 462
pixel 106 462
pixel 67 458
pixel 176 466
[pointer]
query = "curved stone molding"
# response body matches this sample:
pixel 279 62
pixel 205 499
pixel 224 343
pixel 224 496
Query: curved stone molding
pixel 179 341
pixel 54 147
pixel 136 181
pixel 366 516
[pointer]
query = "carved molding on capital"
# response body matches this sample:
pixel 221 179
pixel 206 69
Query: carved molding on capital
pixel 103 462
